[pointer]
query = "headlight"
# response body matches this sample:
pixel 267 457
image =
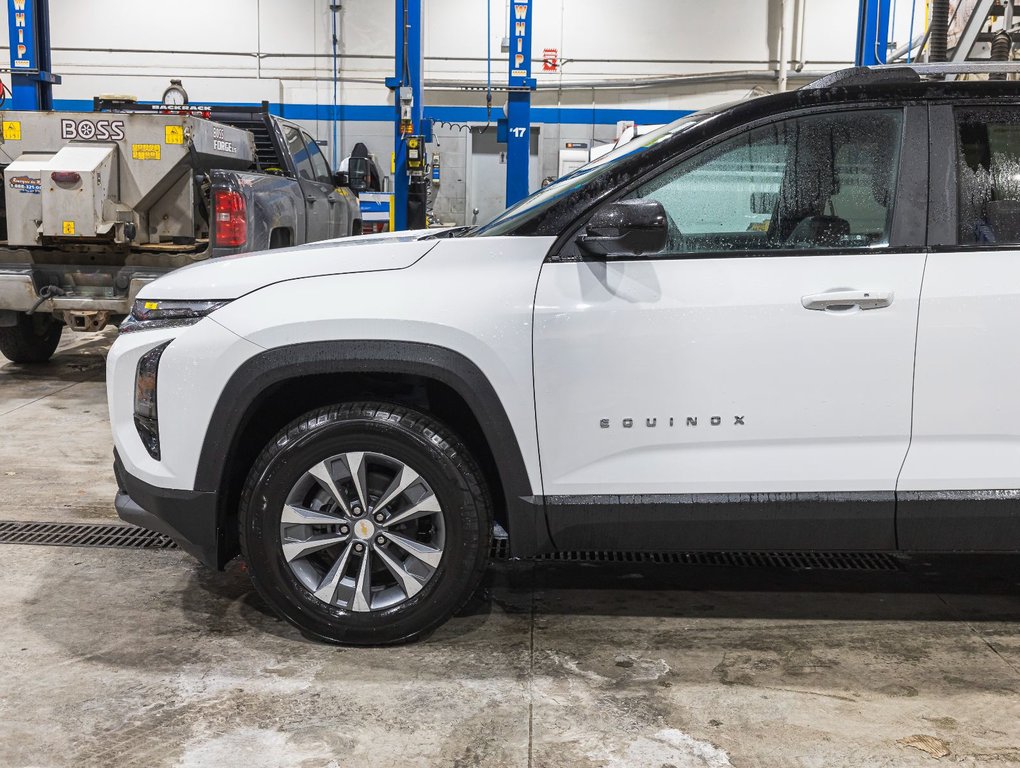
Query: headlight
pixel 146 413
pixel 156 313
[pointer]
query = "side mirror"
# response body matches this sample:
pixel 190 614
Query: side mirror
pixel 340 179
pixel 626 228
pixel 358 173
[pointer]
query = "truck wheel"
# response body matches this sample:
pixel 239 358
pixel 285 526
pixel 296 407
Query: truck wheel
pixel 365 523
pixel 32 339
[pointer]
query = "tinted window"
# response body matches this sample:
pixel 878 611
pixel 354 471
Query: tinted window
pixel 319 164
pixel 823 181
pixel 989 176
pixel 298 150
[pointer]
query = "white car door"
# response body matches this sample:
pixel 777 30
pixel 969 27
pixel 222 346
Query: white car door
pixel 750 386
pixel 960 485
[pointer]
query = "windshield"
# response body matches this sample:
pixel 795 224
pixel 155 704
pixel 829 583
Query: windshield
pixel 538 202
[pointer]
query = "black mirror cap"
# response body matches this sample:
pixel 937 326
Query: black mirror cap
pixel 626 228
pixel 358 174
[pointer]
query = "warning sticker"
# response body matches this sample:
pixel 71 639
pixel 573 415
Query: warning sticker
pixel 174 134
pixel 12 130
pixel 68 227
pixel 145 151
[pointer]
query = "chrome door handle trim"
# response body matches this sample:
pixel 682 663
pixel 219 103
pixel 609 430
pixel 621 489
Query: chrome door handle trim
pixel 844 300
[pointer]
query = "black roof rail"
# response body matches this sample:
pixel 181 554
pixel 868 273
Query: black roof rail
pixel 866 76
pixel 912 73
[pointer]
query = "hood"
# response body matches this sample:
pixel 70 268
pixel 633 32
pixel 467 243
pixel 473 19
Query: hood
pixel 228 277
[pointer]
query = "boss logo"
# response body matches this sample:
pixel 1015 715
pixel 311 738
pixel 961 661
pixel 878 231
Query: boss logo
pixel 92 130
pixel 687 421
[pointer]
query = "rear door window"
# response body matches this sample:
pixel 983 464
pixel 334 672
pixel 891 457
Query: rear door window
pixel 988 158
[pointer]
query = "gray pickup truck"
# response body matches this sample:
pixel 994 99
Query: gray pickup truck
pixel 97 204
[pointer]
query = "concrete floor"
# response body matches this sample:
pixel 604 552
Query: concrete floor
pixel 125 658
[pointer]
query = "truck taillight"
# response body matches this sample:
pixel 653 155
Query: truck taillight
pixel 374 227
pixel 231 219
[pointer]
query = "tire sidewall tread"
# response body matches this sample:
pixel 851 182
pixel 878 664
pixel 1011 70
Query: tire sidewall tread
pixel 449 469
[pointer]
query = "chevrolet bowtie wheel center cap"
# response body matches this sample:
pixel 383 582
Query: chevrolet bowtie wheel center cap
pixel 364 530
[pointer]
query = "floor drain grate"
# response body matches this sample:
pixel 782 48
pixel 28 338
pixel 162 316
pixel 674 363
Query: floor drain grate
pixel 827 561
pixel 82 535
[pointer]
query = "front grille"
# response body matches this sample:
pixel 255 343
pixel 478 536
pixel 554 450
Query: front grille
pixel 82 535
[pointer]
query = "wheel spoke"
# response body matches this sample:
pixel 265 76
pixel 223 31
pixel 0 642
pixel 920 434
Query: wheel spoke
pixel 408 582
pixel 400 484
pixel 295 515
pixel 427 506
pixel 322 474
pixel 363 588
pixel 331 581
pixel 356 466
pixel 295 549
pixel 428 555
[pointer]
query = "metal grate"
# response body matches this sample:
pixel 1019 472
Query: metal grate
pixel 828 561
pixel 82 535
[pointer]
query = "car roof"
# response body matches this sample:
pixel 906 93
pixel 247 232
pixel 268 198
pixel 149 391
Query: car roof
pixel 862 87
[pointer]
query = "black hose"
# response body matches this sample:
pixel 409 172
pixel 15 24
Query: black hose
pixel 939 45
pixel 1002 46
pixel 46 292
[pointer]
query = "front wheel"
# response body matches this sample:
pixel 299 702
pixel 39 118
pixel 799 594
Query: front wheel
pixel 32 338
pixel 365 523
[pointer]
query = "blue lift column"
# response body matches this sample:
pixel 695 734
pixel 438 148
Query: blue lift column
pixel 31 80
pixel 518 108
pixel 411 132
pixel 873 32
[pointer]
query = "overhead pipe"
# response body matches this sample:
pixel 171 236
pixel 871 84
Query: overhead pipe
pixel 655 82
pixel 784 60
pixel 1002 46
pixel 938 49
pixel 799 11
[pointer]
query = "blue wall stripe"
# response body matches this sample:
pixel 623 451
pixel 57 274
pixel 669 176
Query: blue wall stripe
pixel 360 113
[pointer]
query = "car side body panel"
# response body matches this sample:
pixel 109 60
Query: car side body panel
pixel 472 297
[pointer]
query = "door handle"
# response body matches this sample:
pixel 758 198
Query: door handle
pixel 841 301
pixel 311 198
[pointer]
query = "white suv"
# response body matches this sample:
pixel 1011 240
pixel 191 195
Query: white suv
pixel 779 325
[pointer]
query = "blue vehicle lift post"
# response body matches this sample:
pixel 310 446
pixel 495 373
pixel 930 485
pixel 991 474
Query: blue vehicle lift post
pixel 516 130
pixel 410 128
pixel 32 82
pixel 873 24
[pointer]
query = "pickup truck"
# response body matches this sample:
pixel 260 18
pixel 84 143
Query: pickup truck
pixel 98 204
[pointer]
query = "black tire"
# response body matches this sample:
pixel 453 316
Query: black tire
pixel 33 339
pixel 418 441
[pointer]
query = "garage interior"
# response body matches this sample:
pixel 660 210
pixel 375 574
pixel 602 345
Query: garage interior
pixel 118 649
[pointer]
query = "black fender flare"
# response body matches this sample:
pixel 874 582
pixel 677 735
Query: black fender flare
pixel 526 513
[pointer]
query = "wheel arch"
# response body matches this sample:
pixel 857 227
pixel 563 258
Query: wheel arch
pixel 280 384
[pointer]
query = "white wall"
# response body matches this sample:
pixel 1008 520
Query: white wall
pixel 280 51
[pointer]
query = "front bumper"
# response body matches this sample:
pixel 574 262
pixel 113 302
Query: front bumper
pixel 190 518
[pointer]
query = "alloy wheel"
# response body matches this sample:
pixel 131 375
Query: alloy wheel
pixel 362 531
